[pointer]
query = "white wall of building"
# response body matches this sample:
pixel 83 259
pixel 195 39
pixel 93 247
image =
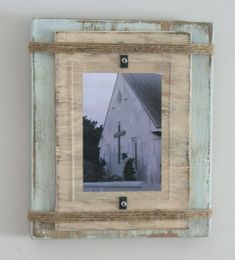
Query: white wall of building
pixel 126 108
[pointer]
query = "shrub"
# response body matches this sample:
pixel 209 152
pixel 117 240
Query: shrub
pixel 129 173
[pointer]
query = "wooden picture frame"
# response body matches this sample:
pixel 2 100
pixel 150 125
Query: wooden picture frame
pixel 63 49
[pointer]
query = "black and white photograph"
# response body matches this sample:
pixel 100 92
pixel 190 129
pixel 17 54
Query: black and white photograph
pixel 122 132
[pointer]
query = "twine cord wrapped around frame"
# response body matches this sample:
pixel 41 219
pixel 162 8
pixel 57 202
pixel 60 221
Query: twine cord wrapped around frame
pixel 72 47
pixel 56 217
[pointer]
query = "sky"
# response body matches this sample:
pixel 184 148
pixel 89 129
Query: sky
pixel 97 92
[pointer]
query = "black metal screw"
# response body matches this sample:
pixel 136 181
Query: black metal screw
pixel 124 61
pixel 122 202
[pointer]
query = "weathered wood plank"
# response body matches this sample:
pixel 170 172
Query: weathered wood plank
pixel 200 175
pixel 43 162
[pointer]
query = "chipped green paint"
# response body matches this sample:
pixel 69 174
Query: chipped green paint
pixel 43 151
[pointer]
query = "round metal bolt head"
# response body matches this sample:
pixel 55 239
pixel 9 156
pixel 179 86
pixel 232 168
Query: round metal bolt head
pixel 124 60
pixel 123 204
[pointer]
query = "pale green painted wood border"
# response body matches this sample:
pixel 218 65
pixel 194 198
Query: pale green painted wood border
pixel 43 139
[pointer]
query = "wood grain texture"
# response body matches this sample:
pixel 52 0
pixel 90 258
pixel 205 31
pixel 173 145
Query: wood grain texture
pixel 43 152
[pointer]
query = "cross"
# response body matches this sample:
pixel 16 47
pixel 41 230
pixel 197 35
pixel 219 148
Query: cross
pixel 118 136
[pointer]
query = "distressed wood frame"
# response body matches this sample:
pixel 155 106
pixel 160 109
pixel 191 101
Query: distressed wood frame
pixel 43 164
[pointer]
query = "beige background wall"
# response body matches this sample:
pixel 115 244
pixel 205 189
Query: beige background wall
pixel 15 93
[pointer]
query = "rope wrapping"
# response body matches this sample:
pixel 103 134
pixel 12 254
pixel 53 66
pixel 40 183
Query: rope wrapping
pixel 56 217
pixel 72 47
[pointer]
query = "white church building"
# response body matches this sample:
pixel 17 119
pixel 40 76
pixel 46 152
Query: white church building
pixel 133 126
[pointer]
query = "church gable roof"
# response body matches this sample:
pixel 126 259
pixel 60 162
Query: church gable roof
pixel 147 88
